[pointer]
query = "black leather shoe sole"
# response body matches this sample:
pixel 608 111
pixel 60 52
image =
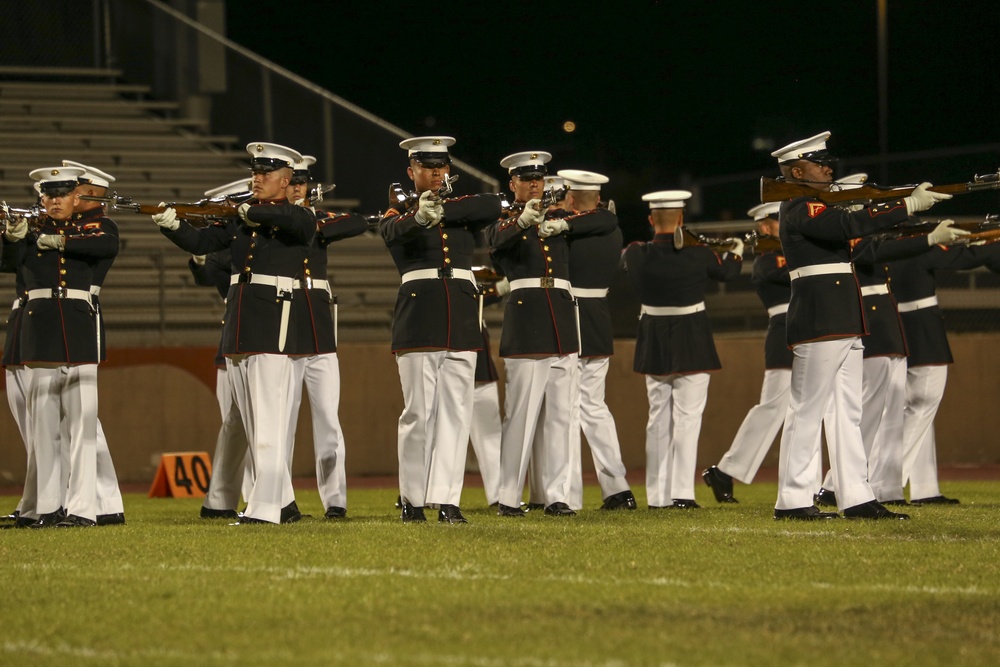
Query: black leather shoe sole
pixel 873 510
pixel 825 498
pixel 208 513
pixel 936 500
pixel 720 483
pixel 336 513
pixel 111 519
pixel 74 521
pixel 450 514
pixel 559 509
pixel 810 513
pixel 411 514
pixel 684 504
pixel 506 510
pixel 624 500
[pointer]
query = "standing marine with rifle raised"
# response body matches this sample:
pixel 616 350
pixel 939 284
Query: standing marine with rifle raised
pixel 435 328
pixel 825 324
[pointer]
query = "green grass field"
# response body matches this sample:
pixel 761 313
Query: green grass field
pixel 718 586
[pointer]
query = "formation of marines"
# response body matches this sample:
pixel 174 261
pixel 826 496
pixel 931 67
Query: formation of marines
pixel 843 353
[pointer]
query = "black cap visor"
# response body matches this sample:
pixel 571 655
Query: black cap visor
pixel 300 177
pixel 265 164
pixel 529 172
pixel 820 157
pixel 58 188
pixel 431 160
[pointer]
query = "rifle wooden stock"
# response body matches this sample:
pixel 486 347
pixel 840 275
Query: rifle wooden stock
pixel 193 212
pixel 763 243
pixel 989 236
pixel 773 190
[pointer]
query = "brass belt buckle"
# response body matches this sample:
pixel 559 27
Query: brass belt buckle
pixel 547 282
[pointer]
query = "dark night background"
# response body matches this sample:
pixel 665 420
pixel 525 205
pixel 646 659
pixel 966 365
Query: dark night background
pixel 662 93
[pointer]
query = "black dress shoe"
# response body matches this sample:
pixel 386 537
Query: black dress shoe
pixel 336 513
pixel 507 510
pixel 533 506
pixel 684 504
pixel 411 514
pixel 47 520
pixel 74 521
pixel 660 507
pixel 399 502
pixel 450 514
pixel 12 517
pixel 895 503
pixel 111 519
pixel 810 513
pixel 825 498
pixel 935 500
pixel 559 509
pixel 624 500
pixel 209 513
pixel 290 513
pixel 873 509
pixel 720 483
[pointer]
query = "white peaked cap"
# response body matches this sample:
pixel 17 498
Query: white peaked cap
pixel 92 175
pixel 667 199
pixel 762 211
pixel 577 179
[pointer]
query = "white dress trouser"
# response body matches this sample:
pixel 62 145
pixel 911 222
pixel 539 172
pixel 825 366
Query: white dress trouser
pixel 924 391
pixel 262 387
pixel 109 497
pixel 883 396
pixel 320 373
pixel 232 451
pixel 759 427
pixel 537 413
pixel 63 399
pixel 822 372
pixel 592 416
pixel 433 435
pixel 676 404
pixel 485 435
pixel 17 393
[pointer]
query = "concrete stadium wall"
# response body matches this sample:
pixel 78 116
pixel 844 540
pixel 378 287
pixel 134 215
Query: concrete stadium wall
pixel 162 400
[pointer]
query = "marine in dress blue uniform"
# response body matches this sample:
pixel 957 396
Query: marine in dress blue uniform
pixel 825 324
pixel 540 345
pixel 762 423
pixel 232 466
pixel 914 287
pixel 435 330
pixel 595 249
pixel 315 363
pixel 674 348
pixel 59 341
pixel 268 244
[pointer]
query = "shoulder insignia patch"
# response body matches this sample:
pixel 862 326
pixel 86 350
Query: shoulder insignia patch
pixel 92 225
pixel 815 208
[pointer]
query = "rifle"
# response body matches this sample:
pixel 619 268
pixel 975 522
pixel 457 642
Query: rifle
pixel 684 236
pixel 548 198
pixel 772 190
pixel 908 229
pixel 762 243
pixel 32 214
pixel 316 194
pixel 485 274
pixel 204 212
pixel 399 197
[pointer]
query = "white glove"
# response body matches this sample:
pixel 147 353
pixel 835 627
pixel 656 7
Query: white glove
pixel 611 206
pixel 242 211
pixel 16 231
pixel 429 209
pixel 737 248
pixel 945 234
pixel 199 260
pixel 531 215
pixel 922 199
pixel 167 219
pixel 502 287
pixel 552 227
pixel 50 242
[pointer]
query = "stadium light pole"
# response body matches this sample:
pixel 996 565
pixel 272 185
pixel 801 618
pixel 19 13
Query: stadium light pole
pixel 883 92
